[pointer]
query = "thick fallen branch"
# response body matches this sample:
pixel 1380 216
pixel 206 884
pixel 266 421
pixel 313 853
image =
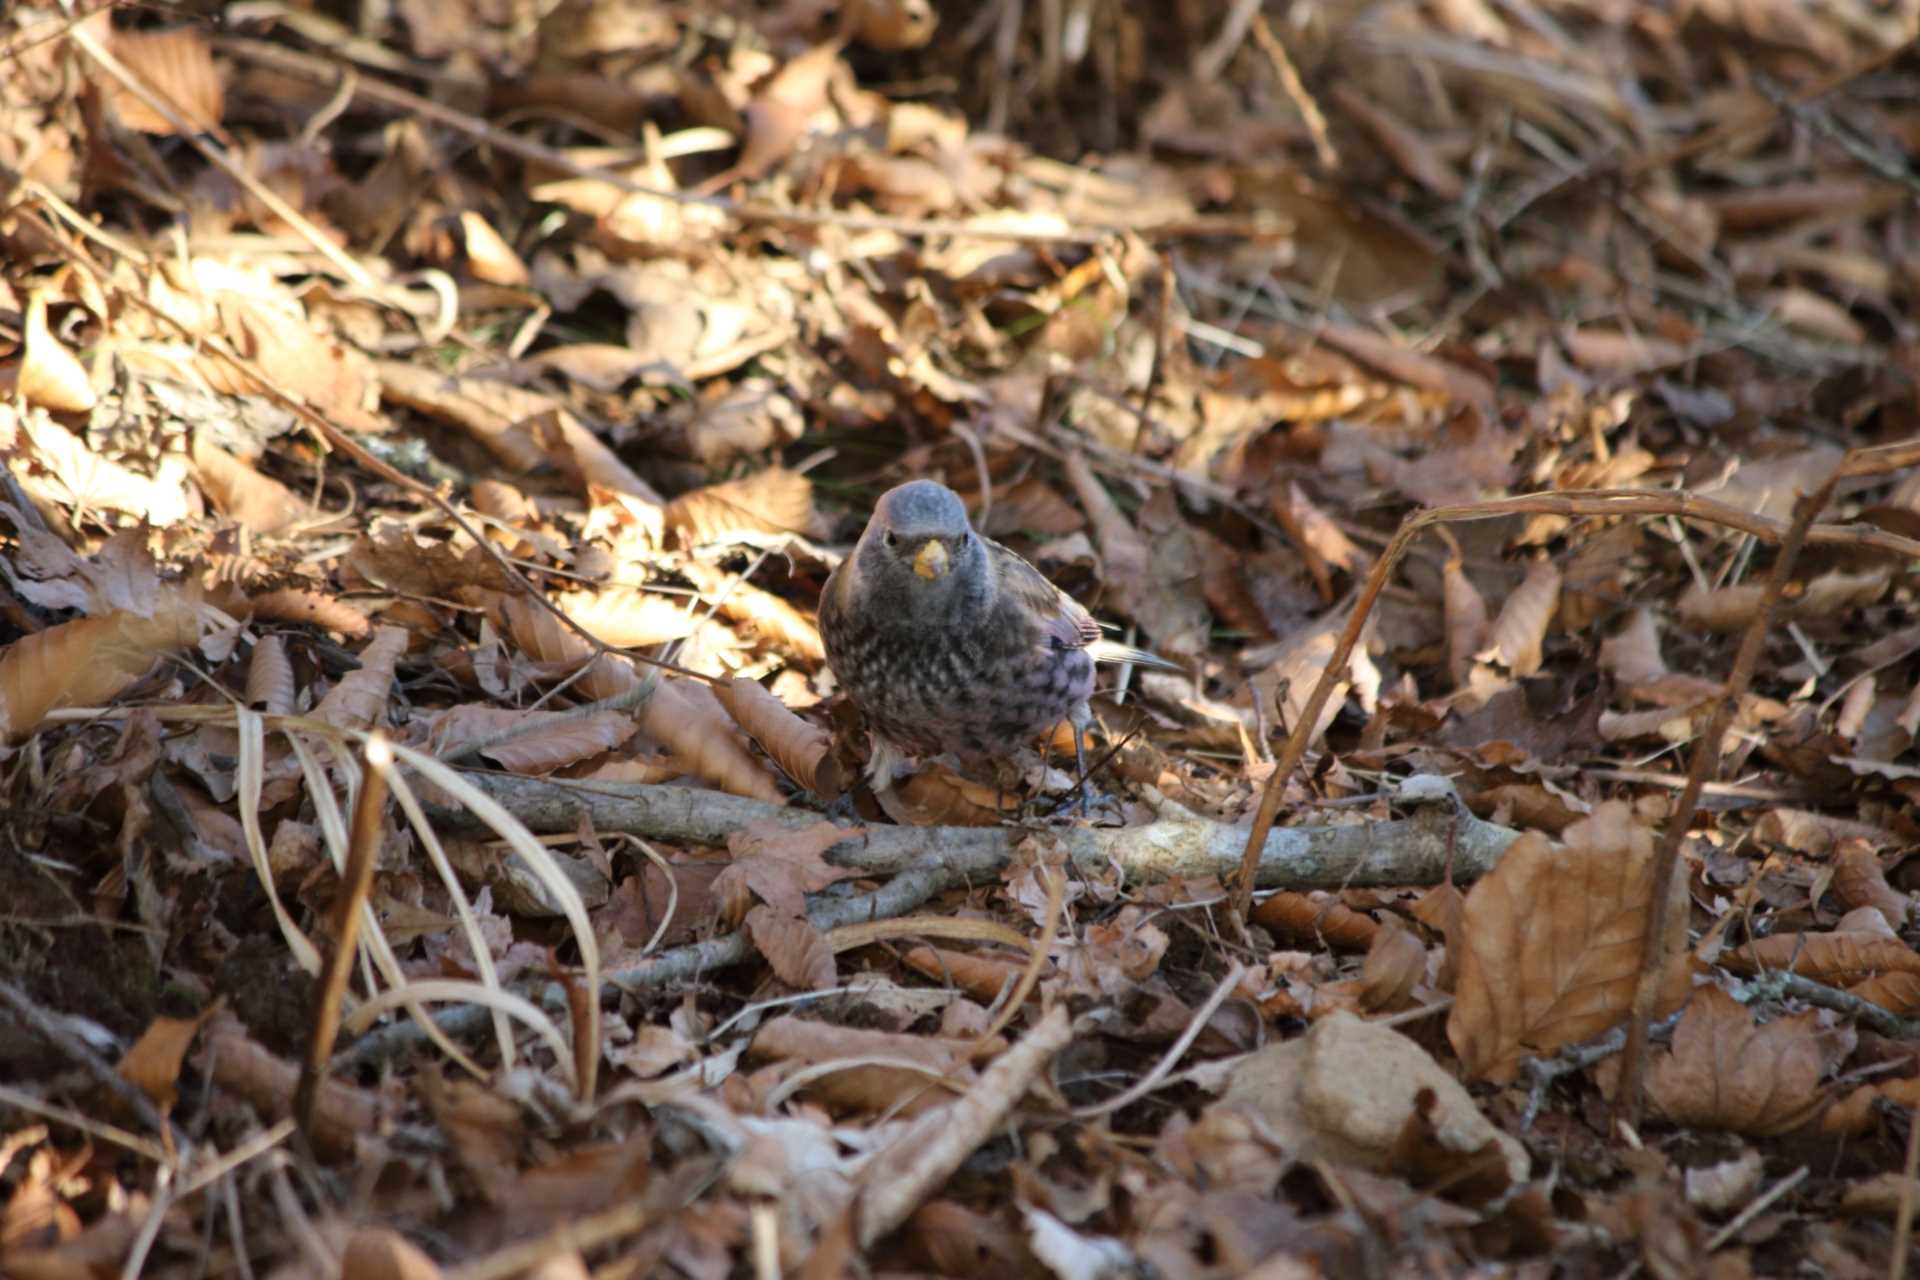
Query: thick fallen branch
pixel 1411 851
pixel 925 861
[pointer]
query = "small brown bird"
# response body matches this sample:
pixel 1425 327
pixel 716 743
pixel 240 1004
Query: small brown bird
pixel 948 641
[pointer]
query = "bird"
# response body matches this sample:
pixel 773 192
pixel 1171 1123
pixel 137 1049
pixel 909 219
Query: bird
pixel 947 641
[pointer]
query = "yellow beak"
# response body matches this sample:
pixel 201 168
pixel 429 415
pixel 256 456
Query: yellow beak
pixel 931 560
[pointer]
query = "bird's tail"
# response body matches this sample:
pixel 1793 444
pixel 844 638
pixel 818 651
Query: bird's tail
pixel 1113 651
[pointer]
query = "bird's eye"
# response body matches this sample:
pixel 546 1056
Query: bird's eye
pixel 893 539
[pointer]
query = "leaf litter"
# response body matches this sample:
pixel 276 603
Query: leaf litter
pixel 1505 416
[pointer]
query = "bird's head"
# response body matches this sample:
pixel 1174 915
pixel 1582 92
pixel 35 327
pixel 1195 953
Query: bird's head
pixel 919 545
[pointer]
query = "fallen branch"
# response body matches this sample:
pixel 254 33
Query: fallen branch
pixel 925 861
pixel 1410 851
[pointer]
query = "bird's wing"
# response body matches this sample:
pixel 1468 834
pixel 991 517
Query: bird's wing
pixel 1063 623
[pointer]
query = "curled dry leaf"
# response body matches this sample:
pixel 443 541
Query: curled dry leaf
pixel 1727 1072
pixel 983 977
pixel 153 1064
pixel 796 745
pixel 489 257
pixel 88 661
pixel 270 677
pixel 774 500
pixel 50 375
pixel 868 1088
pixel 259 503
pixel 1395 965
pixel 1465 612
pixel 630 617
pixel 689 721
pixel 772 617
pixel 1549 948
pixel 177 66
pixel 375 1253
pixel 1515 637
pixel 294 605
pixel 359 701
pixel 1320 916
pixel 1860 881
pixel 541 741
pixel 1834 958
pixel 797 952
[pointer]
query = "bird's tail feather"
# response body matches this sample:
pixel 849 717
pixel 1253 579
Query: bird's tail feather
pixel 1113 651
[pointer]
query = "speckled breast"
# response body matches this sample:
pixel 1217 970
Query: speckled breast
pixel 984 694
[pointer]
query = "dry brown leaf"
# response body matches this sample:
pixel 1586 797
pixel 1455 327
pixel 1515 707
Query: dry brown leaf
pixel 1726 1072
pixel 985 978
pixel 1549 948
pixel 1515 637
pixel 489 257
pixel 796 745
pixel 541 741
pixel 865 1088
pixel 769 615
pixel 689 721
pixel 50 375
pixel 938 797
pixel 152 1064
pixel 796 951
pixel 1860 881
pixel 1835 958
pixel 258 502
pixel 1320 916
pixel 375 1253
pixel 774 500
pixel 1158 580
pixel 177 65
pixel 1346 1091
pixel 780 866
pixel 630 617
pixel 293 605
pixel 360 700
pixel 1396 963
pixel 270 677
pixel 88 661
pixel 59 468
pixel 1465 612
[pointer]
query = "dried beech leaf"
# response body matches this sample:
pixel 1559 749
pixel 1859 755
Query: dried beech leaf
pixel 177 66
pixel 1395 965
pixel 1465 612
pixel 867 1089
pixel 1860 881
pixel 1727 1072
pixel 1515 637
pixel 375 1253
pixel 152 1064
pixel 1835 958
pixel 489 257
pixel 688 720
pixel 796 745
pixel 50 375
pixel 1319 916
pixel 270 677
pixel 88 661
pixel 258 502
pixel 771 501
pixel 540 741
pixel 631 617
pixel 1549 949
pixel 797 952
pixel 360 700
